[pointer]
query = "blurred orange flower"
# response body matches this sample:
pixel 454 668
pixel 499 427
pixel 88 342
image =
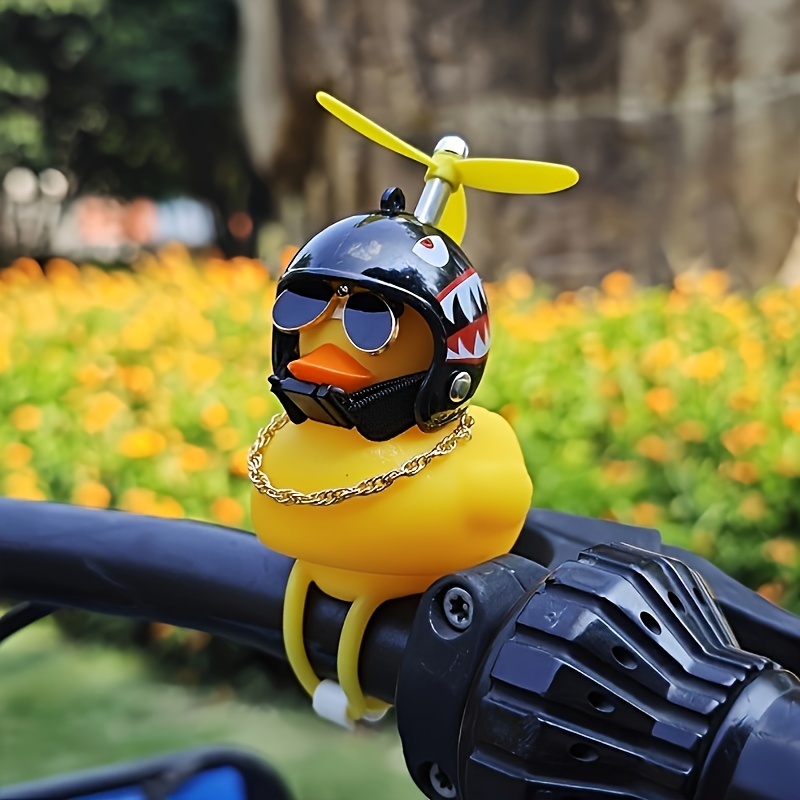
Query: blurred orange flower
pixel 227 511
pixel 91 494
pixel 214 415
pixel 193 458
pixel 791 419
pixel 713 283
pixel 751 352
pixel 706 366
pixel 660 355
pixel 23 486
pixel 653 447
pixel 783 328
pixel 781 551
pixel 646 514
pixel 16 455
pixel 691 431
pixel 772 591
pixel 740 471
pixel 660 400
pixel 101 409
pixel 142 443
pixel 743 437
pixel 618 472
pixel 687 282
pixel 91 375
pixel 26 417
pixel 518 285
pixel 169 507
pixel 617 284
pixel 62 272
pixel 735 308
pixel 137 378
pixel 28 267
pixel 238 462
pixel 139 501
pixel 744 398
pixel 138 334
pixel 773 302
pixel 144 501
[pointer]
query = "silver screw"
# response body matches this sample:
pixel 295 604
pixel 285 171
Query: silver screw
pixel 441 783
pixel 460 387
pixel 458 608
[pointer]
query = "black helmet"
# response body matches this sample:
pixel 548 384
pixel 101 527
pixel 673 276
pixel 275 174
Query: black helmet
pixel 408 263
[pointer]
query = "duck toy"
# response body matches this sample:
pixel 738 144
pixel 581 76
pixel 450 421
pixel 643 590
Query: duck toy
pixel 379 478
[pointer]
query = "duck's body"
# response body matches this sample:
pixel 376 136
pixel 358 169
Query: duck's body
pixel 463 508
pixel 381 338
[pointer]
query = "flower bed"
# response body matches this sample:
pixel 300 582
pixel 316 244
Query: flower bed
pixel 676 408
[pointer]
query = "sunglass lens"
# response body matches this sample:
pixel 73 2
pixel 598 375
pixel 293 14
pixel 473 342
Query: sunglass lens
pixel 368 321
pixel 300 306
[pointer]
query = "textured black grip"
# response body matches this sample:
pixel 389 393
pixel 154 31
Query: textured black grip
pixel 608 681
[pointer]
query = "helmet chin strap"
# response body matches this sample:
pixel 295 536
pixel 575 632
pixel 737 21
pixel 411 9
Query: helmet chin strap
pixel 378 412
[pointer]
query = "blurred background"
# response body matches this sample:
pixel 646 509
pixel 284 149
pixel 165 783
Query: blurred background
pixel 159 161
pixel 164 121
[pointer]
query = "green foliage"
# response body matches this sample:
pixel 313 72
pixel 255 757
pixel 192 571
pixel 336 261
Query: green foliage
pixel 52 8
pixel 131 96
pixel 677 410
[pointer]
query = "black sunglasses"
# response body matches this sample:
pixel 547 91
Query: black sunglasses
pixel 369 322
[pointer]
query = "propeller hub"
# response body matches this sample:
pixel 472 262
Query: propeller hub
pixel 452 144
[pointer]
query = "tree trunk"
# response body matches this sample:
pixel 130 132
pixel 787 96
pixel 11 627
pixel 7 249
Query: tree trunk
pixel 682 118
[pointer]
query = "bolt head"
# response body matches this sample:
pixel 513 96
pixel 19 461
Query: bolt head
pixel 460 387
pixel 442 785
pixel 458 608
pixel 453 144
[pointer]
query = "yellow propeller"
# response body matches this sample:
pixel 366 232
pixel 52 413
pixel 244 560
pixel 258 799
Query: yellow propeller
pixel 454 218
pixel 446 206
pixel 366 127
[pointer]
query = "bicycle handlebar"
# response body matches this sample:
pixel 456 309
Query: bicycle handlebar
pixel 184 573
pixel 586 668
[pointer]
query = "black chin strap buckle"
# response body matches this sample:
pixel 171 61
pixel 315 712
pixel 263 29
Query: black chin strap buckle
pixel 379 412
pixel 303 400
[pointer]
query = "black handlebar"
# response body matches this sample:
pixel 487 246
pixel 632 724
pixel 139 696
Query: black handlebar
pixel 184 573
pixel 591 662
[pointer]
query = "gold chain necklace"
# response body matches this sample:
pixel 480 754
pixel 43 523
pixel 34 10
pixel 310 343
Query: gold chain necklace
pixel 329 497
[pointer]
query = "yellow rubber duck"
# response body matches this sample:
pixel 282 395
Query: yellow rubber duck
pixel 464 507
pixel 379 478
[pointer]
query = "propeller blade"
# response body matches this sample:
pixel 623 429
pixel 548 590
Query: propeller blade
pixel 512 176
pixel 366 127
pixel 454 218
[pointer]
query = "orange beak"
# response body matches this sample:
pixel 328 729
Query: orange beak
pixel 329 364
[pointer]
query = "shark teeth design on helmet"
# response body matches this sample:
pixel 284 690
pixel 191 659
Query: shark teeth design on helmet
pixel 470 343
pixel 464 304
pixel 468 290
